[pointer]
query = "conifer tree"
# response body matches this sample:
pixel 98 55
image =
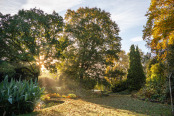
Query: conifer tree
pixel 135 77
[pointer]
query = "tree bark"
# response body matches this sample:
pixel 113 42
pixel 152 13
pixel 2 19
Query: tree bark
pixel 171 97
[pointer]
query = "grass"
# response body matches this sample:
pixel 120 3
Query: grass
pixel 125 102
pixel 114 105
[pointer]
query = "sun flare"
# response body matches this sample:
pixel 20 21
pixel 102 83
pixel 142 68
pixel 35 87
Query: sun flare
pixel 43 69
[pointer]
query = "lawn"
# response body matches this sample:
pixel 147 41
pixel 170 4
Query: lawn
pixel 114 105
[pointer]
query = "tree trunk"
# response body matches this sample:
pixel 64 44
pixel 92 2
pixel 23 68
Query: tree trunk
pixel 171 97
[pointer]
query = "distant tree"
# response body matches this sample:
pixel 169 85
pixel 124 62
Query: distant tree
pixel 114 75
pixel 135 77
pixel 117 71
pixel 122 63
pixel 95 42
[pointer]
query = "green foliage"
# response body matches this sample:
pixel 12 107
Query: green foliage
pixel 73 96
pixel 116 72
pixel 155 87
pixel 157 73
pixel 94 38
pixel 17 97
pixel 17 71
pixel 6 69
pixel 135 77
pixel 31 37
pixel 170 57
pixel 153 93
pixel 26 73
pixel 167 92
pixel 114 75
pixel 119 86
pixel 88 83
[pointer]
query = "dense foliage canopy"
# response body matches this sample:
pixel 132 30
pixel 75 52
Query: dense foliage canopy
pixel 95 42
pixel 31 38
pixel 159 29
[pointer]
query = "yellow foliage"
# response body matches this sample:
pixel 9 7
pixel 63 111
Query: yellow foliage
pixel 64 96
pixel 72 96
pixel 45 97
pixel 53 95
pixel 159 30
pixel 171 39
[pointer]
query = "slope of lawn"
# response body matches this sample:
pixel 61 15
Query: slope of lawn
pixel 115 105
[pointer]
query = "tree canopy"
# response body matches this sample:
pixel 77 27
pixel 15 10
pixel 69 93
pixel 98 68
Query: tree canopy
pixel 95 40
pixel 159 29
pixel 31 38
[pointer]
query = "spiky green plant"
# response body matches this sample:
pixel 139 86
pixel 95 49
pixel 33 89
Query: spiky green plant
pixel 17 97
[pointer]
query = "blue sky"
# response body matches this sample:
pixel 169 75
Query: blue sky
pixel 128 14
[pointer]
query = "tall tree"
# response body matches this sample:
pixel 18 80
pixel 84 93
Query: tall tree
pixel 141 79
pixel 159 29
pixel 31 38
pixel 159 33
pixel 135 77
pixel 95 40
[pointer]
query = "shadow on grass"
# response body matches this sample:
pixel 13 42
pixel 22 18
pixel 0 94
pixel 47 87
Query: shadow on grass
pixel 125 102
pixel 53 102
pixel 47 111
pixel 43 113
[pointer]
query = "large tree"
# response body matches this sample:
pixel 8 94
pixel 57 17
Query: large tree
pixel 159 29
pixel 95 40
pixel 159 33
pixel 31 38
pixel 135 77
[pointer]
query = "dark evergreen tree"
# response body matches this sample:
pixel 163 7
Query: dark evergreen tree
pixel 135 77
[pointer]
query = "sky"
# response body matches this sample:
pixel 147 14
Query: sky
pixel 128 14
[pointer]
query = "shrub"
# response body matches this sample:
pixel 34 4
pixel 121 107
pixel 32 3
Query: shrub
pixel 26 73
pixel 6 69
pixel 18 97
pixel 72 96
pixel 53 95
pixel 153 92
pixel 119 86
pixel 64 96
pixel 155 87
pixel 88 83
pixel 45 97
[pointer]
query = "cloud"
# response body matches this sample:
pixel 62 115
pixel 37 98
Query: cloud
pixel 13 6
pixel 137 39
pixel 49 5
pixel 126 13
pixel 129 14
